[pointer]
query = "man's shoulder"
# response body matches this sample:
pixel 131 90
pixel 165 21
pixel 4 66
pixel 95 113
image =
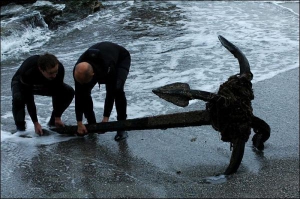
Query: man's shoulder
pixel 60 65
pixel 29 63
pixel 105 45
pixel 33 58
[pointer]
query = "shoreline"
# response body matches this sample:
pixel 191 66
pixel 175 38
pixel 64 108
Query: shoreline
pixel 292 5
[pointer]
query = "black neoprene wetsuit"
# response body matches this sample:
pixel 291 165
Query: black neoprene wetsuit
pixel 29 81
pixel 111 64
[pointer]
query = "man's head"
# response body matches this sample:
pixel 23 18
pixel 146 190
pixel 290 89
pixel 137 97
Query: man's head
pixel 48 65
pixel 83 72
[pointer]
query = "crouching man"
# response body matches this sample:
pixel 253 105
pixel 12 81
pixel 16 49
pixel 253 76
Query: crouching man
pixel 103 63
pixel 40 75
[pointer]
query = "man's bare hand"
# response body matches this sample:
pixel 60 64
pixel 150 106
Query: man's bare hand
pixel 38 128
pixel 105 119
pixel 81 129
pixel 58 122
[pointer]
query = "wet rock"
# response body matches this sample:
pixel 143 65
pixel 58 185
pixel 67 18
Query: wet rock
pixel 21 2
pixel 74 10
pixel 27 20
pixel 49 13
pixel 53 14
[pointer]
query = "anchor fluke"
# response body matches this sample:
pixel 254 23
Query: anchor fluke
pixel 174 93
pixel 243 61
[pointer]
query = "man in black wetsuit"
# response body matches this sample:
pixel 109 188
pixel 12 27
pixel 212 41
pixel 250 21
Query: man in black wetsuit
pixel 103 63
pixel 40 75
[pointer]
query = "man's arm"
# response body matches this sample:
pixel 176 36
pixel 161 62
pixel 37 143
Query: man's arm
pixel 79 101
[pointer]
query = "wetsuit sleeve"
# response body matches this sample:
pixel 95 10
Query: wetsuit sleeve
pixel 79 100
pixel 60 75
pixel 27 92
pixel 31 108
pixel 83 99
pixel 27 70
pixel 59 79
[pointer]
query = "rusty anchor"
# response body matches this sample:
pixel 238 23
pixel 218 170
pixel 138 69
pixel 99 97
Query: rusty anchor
pixel 229 111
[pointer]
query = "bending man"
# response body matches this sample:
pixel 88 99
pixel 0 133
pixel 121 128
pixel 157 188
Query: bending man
pixel 103 63
pixel 40 75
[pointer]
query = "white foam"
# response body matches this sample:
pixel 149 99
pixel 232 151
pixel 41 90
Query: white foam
pixel 48 3
pixel 16 44
pixel 29 137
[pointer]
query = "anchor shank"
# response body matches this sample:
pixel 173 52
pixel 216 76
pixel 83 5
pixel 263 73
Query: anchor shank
pixel 175 120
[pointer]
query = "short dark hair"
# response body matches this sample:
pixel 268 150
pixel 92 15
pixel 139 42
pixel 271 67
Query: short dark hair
pixel 47 61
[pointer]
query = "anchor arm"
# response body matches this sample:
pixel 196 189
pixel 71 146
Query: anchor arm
pixel 180 94
pixel 243 61
pixel 205 96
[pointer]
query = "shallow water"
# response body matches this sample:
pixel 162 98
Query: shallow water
pixel 169 42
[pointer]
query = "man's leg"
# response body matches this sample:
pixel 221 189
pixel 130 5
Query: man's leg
pixel 88 111
pixel 121 107
pixel 61 99
pixel 18 107
pixel 120 99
